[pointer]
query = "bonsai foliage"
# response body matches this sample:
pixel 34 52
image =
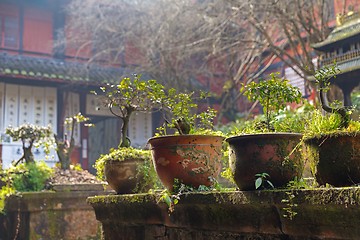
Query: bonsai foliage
pixel 129 96
pixel 273 94
pixel 322 78
pixel 180 112
pixel 29 135
pixel 64 147
pixel 23 177
pixel 28 177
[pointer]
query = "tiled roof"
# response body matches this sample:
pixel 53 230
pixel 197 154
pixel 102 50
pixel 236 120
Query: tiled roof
pixel 50 69
pixel 345 67
pixel 349 29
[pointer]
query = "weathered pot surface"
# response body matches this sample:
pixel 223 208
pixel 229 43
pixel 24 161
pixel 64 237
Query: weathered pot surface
pixel 335 159
pixel 122 175
pixel 277 154
pixel 192 159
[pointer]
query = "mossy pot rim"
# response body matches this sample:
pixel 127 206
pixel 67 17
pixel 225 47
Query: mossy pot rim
pixel 143 154
pixel 264 135
pixel 128 159
pixel 335 134
pixel 185 136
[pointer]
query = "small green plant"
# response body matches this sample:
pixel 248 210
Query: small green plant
pixel 30 135
pixel 289 209
pixel 293 120
pixel 64 147
pixel 298 183
pixel 180 112
pixel 262 181
pixel 289 201
pixel 179 188
pixel 26 177
pixel 273 94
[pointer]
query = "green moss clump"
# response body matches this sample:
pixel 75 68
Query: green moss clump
pixel 120 154
pixel 320 125
pixel 145 170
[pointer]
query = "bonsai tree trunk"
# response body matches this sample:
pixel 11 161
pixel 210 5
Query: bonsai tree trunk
pixel 342 111
pixel 28 156
pixel 125 141
pixel 64 150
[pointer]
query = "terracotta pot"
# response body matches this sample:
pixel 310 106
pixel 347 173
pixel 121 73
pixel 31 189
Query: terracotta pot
pixel 122 176
pixel 276 154
pixel 192 159
pixel 335 159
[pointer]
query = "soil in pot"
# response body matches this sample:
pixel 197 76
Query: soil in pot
pixel 277 154
pixel 192 159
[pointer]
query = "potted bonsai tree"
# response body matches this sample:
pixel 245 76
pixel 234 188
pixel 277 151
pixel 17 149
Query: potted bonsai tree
pixel 65 146
pixel 191 156
pixel 332 141
pixel 121 166
pixel 26 174
pixel 30 135
pixel 262 149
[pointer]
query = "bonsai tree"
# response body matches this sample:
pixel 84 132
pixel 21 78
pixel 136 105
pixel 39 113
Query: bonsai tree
pixel 123 99
pixel 273 94
pixel 322 79
pixel 30 135
pixel 332 140
pixel 65 146
pixel 179 112
pixel 129 96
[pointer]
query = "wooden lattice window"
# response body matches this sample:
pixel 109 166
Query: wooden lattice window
pixel 9 26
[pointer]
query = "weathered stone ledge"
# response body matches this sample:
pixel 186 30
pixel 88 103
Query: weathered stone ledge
pixel 49 215
pixel 320 214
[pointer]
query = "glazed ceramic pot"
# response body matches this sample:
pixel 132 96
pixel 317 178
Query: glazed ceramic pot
pixel 277 154
pixel 335 159
pixel 192 159
pixel 122 176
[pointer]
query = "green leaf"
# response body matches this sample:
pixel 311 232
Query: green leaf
pixel 258 182
pixel 270 184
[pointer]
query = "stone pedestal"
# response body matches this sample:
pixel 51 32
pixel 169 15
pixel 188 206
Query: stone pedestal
pixel 50 215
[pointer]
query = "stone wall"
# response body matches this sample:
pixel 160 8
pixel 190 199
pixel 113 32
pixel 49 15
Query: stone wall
pixel 303 214
pixel 50 215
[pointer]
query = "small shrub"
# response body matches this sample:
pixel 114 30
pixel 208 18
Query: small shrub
pixel 273 94
pixel 27 177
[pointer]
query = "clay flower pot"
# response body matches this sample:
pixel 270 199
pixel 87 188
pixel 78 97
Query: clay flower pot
pixel 123 176
pixel 335 159
pixel 276 154
pixel 192 159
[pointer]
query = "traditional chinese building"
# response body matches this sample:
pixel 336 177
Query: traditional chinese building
pixel 343 47
pixel 43 84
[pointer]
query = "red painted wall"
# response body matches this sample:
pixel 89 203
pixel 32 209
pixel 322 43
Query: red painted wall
pixel 38 31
